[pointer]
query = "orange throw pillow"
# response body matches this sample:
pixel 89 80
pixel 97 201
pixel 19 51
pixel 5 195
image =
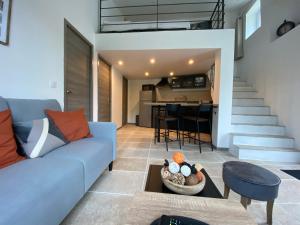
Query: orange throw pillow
pixel 73 125
pixel 8 146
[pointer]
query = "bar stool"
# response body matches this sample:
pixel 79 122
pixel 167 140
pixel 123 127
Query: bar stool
pixel 202 121
pixel 171 115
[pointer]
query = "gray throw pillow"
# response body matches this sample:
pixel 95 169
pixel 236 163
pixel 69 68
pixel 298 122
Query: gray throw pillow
pixel 38 137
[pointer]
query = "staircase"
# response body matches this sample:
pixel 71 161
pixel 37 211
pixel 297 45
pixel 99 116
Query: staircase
pixel 256 134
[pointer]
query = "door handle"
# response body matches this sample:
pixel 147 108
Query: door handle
pixel 69 92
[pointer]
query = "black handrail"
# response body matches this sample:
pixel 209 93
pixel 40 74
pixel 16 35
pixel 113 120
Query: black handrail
pixel 166 4
pixel 216 20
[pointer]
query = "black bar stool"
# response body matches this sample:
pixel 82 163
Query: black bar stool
pixel 202 121
pixel 171 121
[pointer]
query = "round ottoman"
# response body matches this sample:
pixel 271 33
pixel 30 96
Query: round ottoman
pixel 251 182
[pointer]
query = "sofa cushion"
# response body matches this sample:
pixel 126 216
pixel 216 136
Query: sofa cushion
pixel 95 154
pixel 38 137
pixel 73 125
pixel 8 145
pixel 35 109
pixel 40 191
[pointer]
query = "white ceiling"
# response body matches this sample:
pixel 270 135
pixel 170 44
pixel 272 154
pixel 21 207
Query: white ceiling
pixel 136 63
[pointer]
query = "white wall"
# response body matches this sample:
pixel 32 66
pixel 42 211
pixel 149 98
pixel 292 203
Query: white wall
pixel 35 55
pixel 186 40
pixel 134 88
pixel 116 97
pixel 272 65
pixel 230 19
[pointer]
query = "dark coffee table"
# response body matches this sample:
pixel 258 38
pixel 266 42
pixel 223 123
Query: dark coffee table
pixel 154 184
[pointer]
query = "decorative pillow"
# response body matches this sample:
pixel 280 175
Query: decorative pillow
pixel 73 125
pixel 38 137
pixel 8 146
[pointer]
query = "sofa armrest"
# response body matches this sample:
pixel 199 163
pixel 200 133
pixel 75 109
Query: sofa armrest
pixel 105 130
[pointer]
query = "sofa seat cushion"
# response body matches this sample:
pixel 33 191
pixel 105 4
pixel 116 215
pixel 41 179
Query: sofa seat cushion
pixel 39 191
pixel 94 153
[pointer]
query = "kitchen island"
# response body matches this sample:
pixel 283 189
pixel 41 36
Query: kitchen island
pixel 187 108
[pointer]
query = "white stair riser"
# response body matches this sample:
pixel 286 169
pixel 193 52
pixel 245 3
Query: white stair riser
pixel 252 119
pixel 251 110
pixel 248 102
pixel 244 94
pixel 240 84
pixel 264 141
pixel 234 150
pixel 246 88
pixel 252 129
pixel 273 156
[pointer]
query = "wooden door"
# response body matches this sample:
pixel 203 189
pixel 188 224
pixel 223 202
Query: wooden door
pixel 125 102
pixel 78 71
pixel 104 91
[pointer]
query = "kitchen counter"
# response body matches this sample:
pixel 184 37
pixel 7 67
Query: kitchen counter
pixel 181 103
pixel 165 103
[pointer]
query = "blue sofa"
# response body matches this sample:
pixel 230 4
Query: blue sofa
pixel 44 190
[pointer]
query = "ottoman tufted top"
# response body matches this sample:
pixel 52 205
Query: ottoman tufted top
pixel 251 173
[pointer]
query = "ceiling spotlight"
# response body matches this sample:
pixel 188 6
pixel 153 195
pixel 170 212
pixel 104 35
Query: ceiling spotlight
pixel 152 61
pixel 147 74
pixel 121 63
pixel 171 74
pixel 191 62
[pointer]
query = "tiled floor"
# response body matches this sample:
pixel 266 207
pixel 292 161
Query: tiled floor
pixel 106 202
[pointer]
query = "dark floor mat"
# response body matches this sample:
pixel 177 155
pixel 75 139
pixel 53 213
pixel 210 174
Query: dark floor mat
pixel 294 173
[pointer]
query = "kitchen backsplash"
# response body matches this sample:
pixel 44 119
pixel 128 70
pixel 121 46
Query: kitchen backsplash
pixel 167 94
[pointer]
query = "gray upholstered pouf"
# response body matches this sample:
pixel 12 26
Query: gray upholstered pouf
pixel 251 182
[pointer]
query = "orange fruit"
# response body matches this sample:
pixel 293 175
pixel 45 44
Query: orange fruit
pixel 200 176
pixel 178 157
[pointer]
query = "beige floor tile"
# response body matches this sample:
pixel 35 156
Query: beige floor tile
pixel 155 162
pixel 282 214
pixel 160 154
pixel 289 192
pixel 130 164
pixel 97 209
pixel 218 181
pixel 133 153
pixel 213 169
pixel 120 182
pixel 204 157
pixel 278 172
pixel 135 145
pixel 139 139
pixel 290 214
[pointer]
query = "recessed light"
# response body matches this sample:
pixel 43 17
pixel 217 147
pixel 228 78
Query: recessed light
pixel 121 63
pixel 191 62
pixel 171 74
pixel 152 61
pixel 147 74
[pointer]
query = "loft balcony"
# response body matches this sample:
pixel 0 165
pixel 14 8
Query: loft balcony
pixel 118 16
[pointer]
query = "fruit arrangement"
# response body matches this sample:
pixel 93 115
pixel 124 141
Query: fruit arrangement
pixel 182 173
